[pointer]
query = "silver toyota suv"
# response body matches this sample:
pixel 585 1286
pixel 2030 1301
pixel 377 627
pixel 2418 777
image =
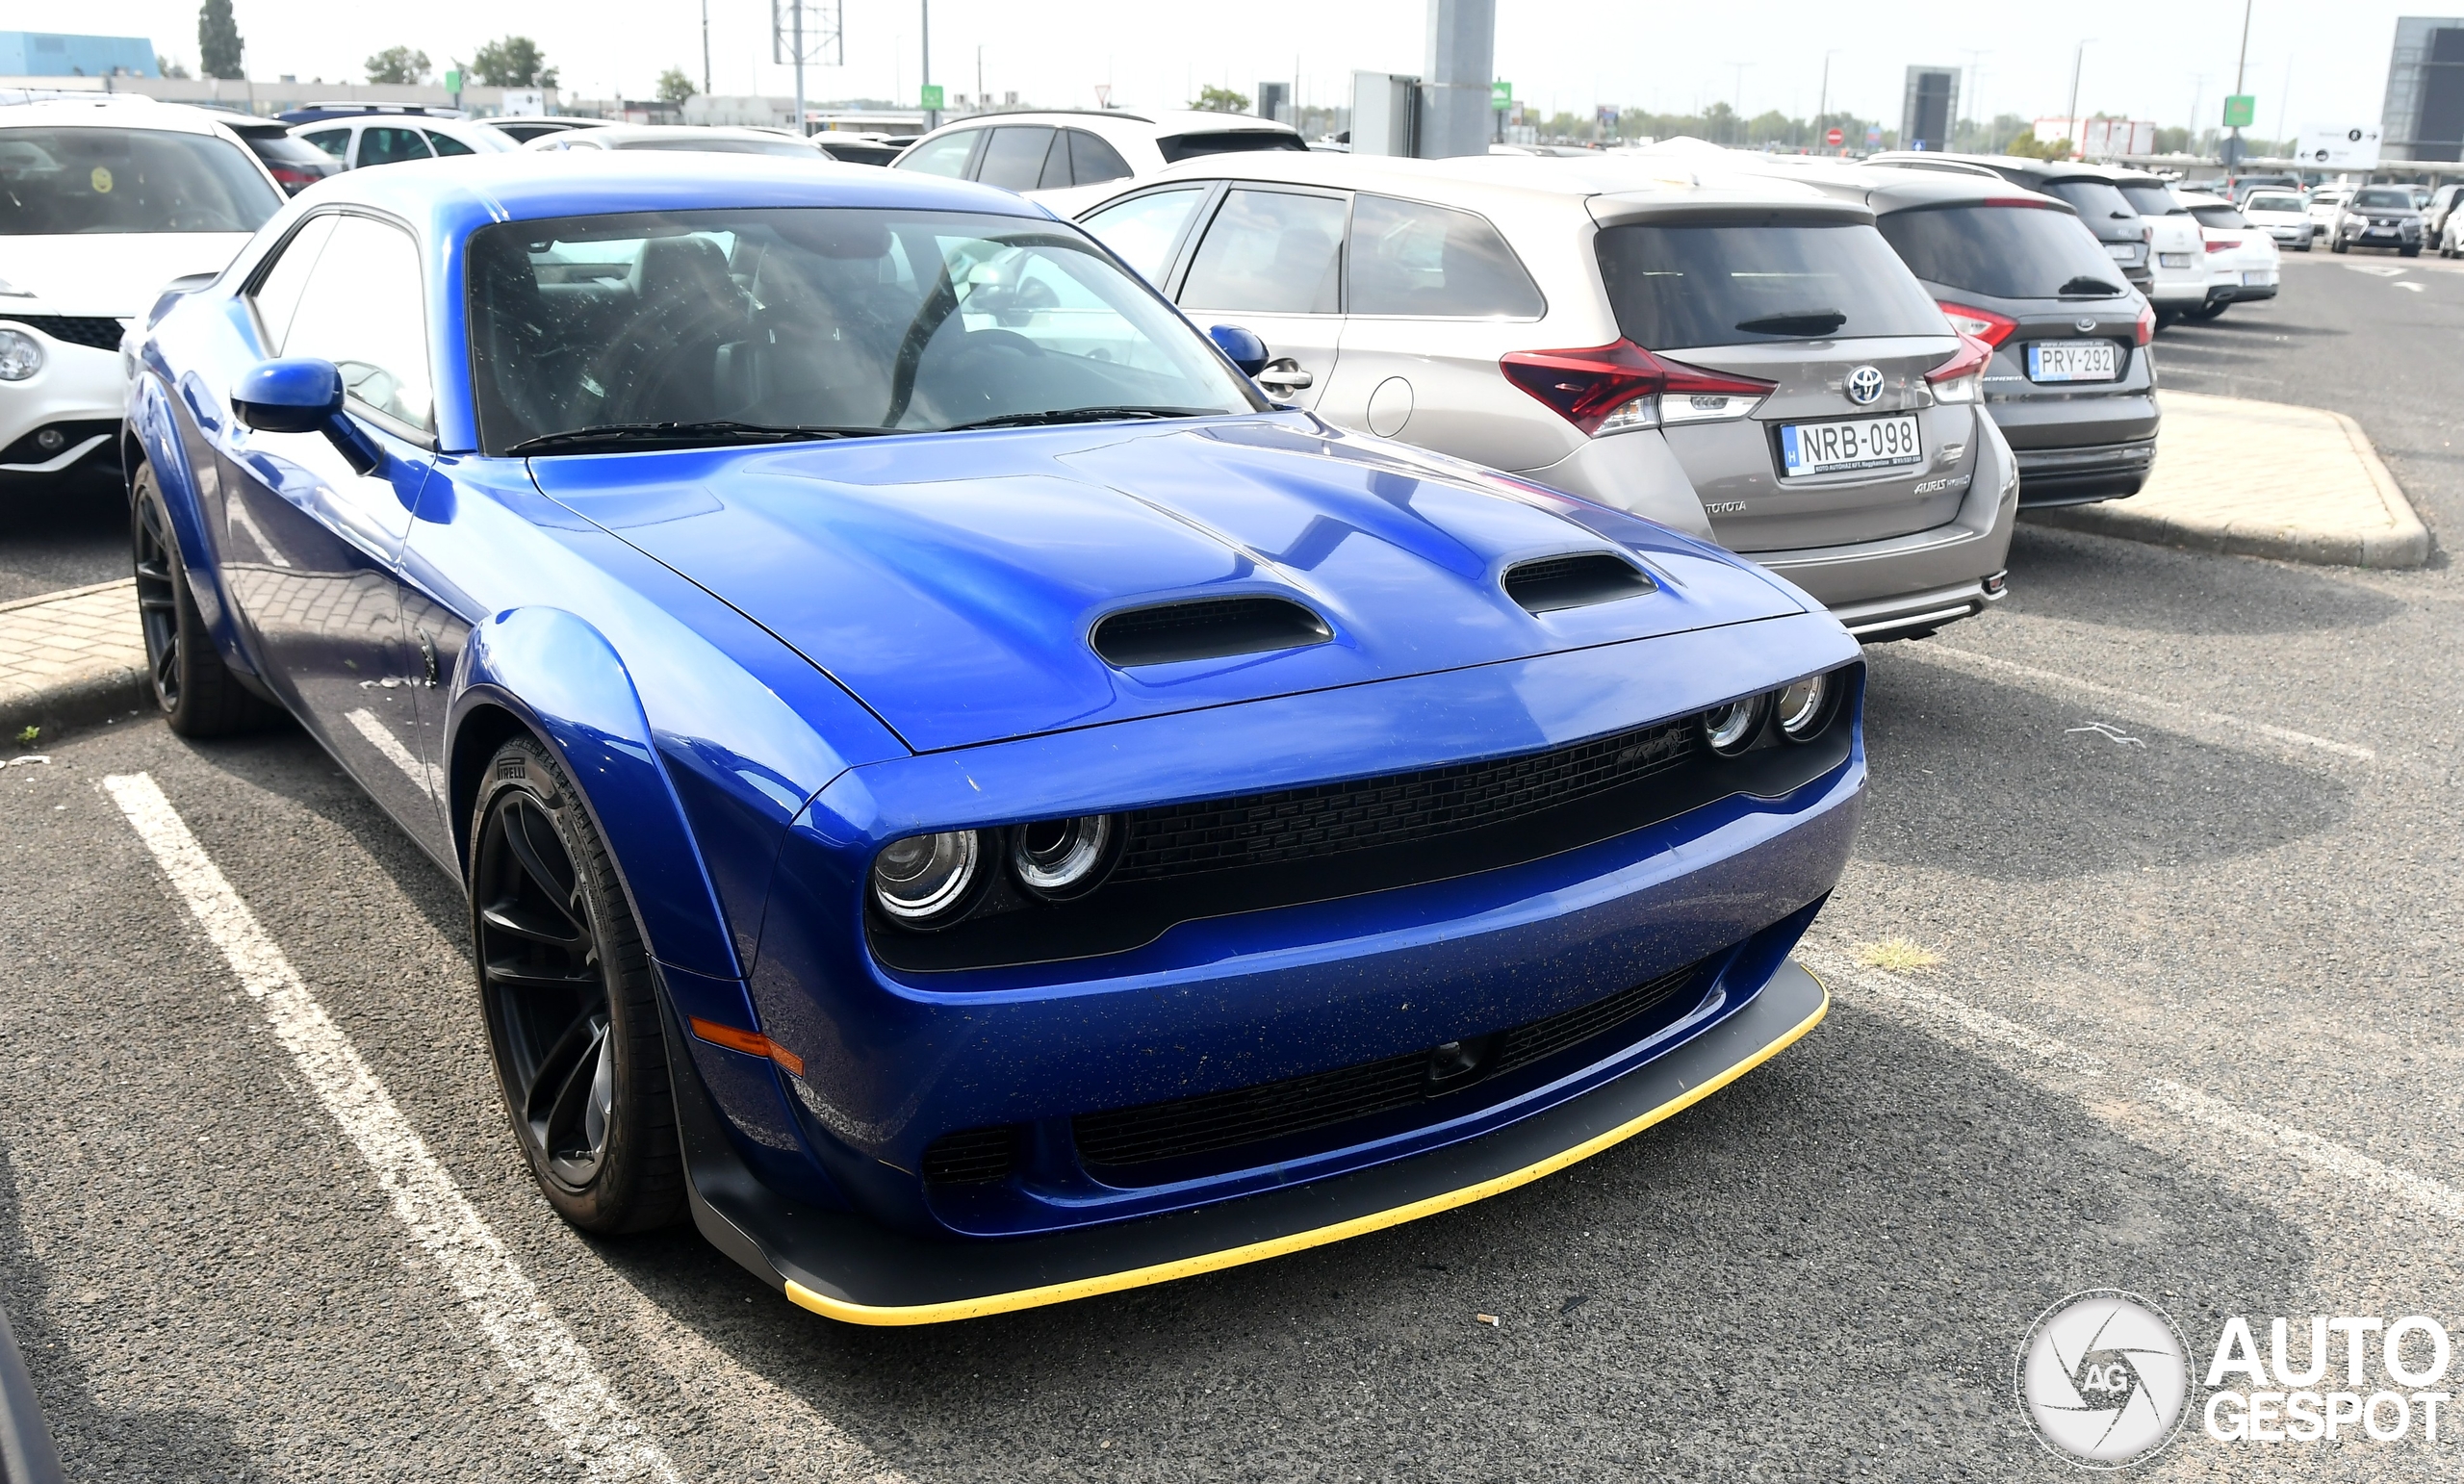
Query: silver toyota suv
pixel 1735 356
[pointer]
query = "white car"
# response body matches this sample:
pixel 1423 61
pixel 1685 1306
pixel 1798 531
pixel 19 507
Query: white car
pixel 101 204
pixel 2326 202
pixel 2242 259
pixel 2176 255
pixel 2284 215
pixel 684 136
pixel 1070 160
pixel 363 140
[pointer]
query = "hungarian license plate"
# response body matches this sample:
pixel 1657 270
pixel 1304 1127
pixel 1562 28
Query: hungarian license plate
pixel 1868 442
pixel 2260 276
pixel 2123 252
pixel 2073 360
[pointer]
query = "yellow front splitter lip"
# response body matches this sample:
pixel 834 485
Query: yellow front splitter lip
pixel 851 1271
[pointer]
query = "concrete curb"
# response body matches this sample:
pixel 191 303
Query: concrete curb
pixel 2403 543
pixel 98 682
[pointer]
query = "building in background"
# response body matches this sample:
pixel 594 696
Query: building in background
pixel 47 54
pixel 1274 102
pixel 1929 108
pixel 2423 116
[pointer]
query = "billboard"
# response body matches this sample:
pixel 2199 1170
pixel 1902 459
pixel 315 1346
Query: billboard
pixel 2338 147
pixel 2100 139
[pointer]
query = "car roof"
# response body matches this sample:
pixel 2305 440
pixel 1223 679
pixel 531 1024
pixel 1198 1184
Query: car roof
pixel 2200 198
pixel 1164 121
pixel 621 132
pixel 456 196
pixel 1495 182
pixel 1890 186
pixel 114 110
pixel 2050 169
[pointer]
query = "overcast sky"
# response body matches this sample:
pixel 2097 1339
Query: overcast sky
pixel 2150 61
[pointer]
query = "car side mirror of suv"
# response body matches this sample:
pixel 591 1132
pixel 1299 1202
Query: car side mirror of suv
pixel 304 395
pixel 1242 348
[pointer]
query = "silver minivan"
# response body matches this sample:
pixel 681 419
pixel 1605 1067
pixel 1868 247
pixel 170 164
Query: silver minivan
pixel 1734 356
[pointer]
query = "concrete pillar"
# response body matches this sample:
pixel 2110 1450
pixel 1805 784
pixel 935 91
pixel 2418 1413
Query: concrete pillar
pixel 1454 87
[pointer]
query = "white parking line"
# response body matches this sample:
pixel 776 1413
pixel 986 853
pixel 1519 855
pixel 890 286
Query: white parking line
pixel 364 721
pixel 1987 664
pixel 1936 1011
pixel 599 1432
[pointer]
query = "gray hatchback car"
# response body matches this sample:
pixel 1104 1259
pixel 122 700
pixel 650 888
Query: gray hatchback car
pixel 2071 386
pixel 1733 356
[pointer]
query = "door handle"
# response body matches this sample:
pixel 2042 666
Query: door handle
pixel 1283 374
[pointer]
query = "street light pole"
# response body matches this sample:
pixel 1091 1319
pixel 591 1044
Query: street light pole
pixel 798 40
pixel 706 45
pixel 1822 100
pixel 932 115
pixel 2078 59
pixel 2241 64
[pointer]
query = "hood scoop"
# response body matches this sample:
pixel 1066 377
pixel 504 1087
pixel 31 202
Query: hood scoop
pixel 1206 628
pixel 1549 584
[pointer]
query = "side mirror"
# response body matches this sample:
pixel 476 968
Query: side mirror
pixel 1242 348
pixel 304 395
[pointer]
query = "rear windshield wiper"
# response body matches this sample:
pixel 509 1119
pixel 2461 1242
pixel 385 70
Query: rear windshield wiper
pixel 681 435
pixel 2085 285
pixel 1795 322
pixel 1082 415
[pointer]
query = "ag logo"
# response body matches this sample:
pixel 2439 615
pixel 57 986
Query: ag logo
pixel 1864 386
pixel 2103 1377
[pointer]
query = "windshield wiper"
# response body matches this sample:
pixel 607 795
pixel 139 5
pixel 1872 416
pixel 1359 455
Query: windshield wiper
pixel 682 435
pixel 1795 322
pixel 2085 285
pixel 1082 415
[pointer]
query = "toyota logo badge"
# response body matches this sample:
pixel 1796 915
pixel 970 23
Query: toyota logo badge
pixel 1864 386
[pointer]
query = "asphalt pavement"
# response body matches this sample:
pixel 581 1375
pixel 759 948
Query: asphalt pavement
pixel 54 537
pixel 2182 830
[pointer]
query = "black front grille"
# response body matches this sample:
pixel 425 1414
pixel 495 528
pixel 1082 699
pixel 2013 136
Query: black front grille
pixel 71 329
pixel 1300 1105
pixel 1331 818
pixel 971 1153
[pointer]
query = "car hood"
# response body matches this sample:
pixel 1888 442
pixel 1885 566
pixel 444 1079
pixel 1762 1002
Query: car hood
pixel 116 274
pixel 951 581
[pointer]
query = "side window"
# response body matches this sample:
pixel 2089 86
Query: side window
pixel 1013 160
pixel 1091 160
pixel 366 310
pixel 446 143
pixel 1056 162
pixel 278 295
pixel 1145 229
pixel 1411 258
pixel 945 155
pixel 1268 252
pixel 386 144
pixel 333 142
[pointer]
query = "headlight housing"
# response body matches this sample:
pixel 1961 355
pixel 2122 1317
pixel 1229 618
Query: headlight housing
pixel 1730 729
pixel 1058 859
pixel 1803 707
pixel 925 881
pixel 20 355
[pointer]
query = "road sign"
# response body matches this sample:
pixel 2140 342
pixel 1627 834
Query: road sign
pixel 932 96
pixel 1833 137
pixel 2325 146
pixel 1500 96
pixel 453 82
pixel 2241 111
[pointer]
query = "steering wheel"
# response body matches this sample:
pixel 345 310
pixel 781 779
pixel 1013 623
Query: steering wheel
pixel 988 341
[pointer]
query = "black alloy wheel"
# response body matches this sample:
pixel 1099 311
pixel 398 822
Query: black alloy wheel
pixel 572 1006
pixel 198 694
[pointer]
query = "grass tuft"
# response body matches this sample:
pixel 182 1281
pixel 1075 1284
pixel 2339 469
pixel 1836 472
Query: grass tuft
pixel 1897 956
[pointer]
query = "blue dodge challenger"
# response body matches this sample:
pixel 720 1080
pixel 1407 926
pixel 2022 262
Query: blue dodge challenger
pixel 955 790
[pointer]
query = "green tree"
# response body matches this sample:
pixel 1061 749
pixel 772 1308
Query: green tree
pixel 167 67
pixel 1221 100
pixel 2027 146
pixel 398 64
pixel 510 62
pixel 675 86
pixel 218 40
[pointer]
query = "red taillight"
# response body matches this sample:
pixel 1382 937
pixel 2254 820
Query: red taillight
pixel 1982 323
pixel 1971 358
pixel 1585 386
pixel 2146 326
pixel 2215 244
pixel 291 177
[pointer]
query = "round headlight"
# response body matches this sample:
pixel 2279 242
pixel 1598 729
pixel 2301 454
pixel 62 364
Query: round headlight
pixel 1732 728
pixel 20 355
pixel 925 876
pixel 1060 857
pixel 1803 707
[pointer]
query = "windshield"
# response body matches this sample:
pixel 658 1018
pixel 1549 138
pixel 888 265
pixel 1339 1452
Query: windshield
pixel 2383 200
pixel 722 144
pixel 57 181
pixel 1677 285
pixel 2274 203
pixel 2099 205
pixel 820 318
pixel 2150 199
pixel 2220 217
pixel 2011 252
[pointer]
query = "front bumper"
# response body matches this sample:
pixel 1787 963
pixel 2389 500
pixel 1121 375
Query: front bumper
pixel 78 393
pixel 848 1268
